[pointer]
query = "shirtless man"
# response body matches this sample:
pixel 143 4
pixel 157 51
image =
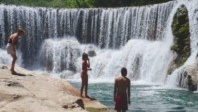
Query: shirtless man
pixel 122 91
pixel 11 47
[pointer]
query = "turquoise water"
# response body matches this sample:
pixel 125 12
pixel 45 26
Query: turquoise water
pixel 147 98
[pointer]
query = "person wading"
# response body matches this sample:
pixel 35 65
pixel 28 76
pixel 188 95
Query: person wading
pixel 122 91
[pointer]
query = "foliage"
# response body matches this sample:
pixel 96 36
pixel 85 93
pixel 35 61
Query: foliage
pixel 174 47
pixel 123 3
pixel 82 3
pixel 181 33
pixel 51 3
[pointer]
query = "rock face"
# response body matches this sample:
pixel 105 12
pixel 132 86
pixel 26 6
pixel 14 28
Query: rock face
pixel 189 77
pixel 181 45
pixel 31 92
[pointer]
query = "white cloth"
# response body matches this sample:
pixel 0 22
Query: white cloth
pixel 10 49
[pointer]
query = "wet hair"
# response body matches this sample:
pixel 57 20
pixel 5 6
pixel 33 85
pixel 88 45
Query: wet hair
pixel 124 71
pixel 20 30
pixel 84 56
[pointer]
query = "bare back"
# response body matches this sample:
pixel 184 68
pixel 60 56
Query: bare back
pixel 13 39
pixel 122 84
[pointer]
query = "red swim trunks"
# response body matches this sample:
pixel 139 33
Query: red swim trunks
pixel 121 101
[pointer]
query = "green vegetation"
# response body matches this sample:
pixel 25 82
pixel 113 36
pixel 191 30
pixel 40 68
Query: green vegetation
pixel 123 3
pixel 82 3
pixel 181 33
pixel 43 3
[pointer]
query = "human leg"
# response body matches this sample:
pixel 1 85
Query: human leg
pixel 81 90
pixel 86 86
pixel 14 57
pixel 82 86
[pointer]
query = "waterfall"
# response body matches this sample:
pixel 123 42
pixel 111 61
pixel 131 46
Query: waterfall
pixel 177 78
pixel 106 28
pixel 58 55
pixel 138 38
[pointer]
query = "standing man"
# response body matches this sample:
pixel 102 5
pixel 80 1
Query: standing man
pixel 122 91
pixel 11 47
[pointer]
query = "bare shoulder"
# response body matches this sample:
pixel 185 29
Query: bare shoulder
pixel 117 78
pixel 13 35
pixel 128 80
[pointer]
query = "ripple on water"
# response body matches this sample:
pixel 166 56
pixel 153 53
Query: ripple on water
pixel 146 98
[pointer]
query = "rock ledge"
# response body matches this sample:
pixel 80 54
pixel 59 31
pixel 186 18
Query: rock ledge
pixel 31 92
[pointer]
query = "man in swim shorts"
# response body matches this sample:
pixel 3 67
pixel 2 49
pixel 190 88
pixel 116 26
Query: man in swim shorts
pixel 122 91
pixel 11 47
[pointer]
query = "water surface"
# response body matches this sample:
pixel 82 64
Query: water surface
pixel 147 98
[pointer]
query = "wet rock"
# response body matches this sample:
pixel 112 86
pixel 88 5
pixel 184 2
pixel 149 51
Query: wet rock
pixel 14 84
pixel 191 85
pixel 91 53
pixel 181 45
pixel 188 78
pixel 4 67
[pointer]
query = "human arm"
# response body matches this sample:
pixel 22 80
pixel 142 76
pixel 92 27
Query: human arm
pixel 12 41
pixel 88 64
pixel 129 92
pixel 14 38
pixel 114 92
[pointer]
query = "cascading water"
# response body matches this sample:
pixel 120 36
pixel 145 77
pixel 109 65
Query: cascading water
pixel 58 55
pixel 136 37
pixel 106 28
pixel 177 77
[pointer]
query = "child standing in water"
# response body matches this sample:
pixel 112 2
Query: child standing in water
pixel 84 75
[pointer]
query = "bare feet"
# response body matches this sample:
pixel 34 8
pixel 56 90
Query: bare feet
pixel 87 96
pixel 81 96
pixel 13 72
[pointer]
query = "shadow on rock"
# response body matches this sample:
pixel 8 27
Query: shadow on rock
pixel 18 74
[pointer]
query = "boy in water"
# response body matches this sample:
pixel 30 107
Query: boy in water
pixel 122 91
pixel 84 75
pixel 11 47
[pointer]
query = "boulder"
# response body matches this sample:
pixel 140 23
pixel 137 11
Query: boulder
pixel 91 53
pixel 190 77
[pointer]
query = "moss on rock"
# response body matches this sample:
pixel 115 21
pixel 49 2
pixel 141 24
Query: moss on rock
pixel 180 28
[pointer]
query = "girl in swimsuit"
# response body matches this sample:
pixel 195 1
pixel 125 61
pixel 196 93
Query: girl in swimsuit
pixel 84 75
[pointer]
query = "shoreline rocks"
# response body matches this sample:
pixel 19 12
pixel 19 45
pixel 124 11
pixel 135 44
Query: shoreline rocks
pixel 32 92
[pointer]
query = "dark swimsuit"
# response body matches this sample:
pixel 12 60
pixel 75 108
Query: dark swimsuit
pixel 84 75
